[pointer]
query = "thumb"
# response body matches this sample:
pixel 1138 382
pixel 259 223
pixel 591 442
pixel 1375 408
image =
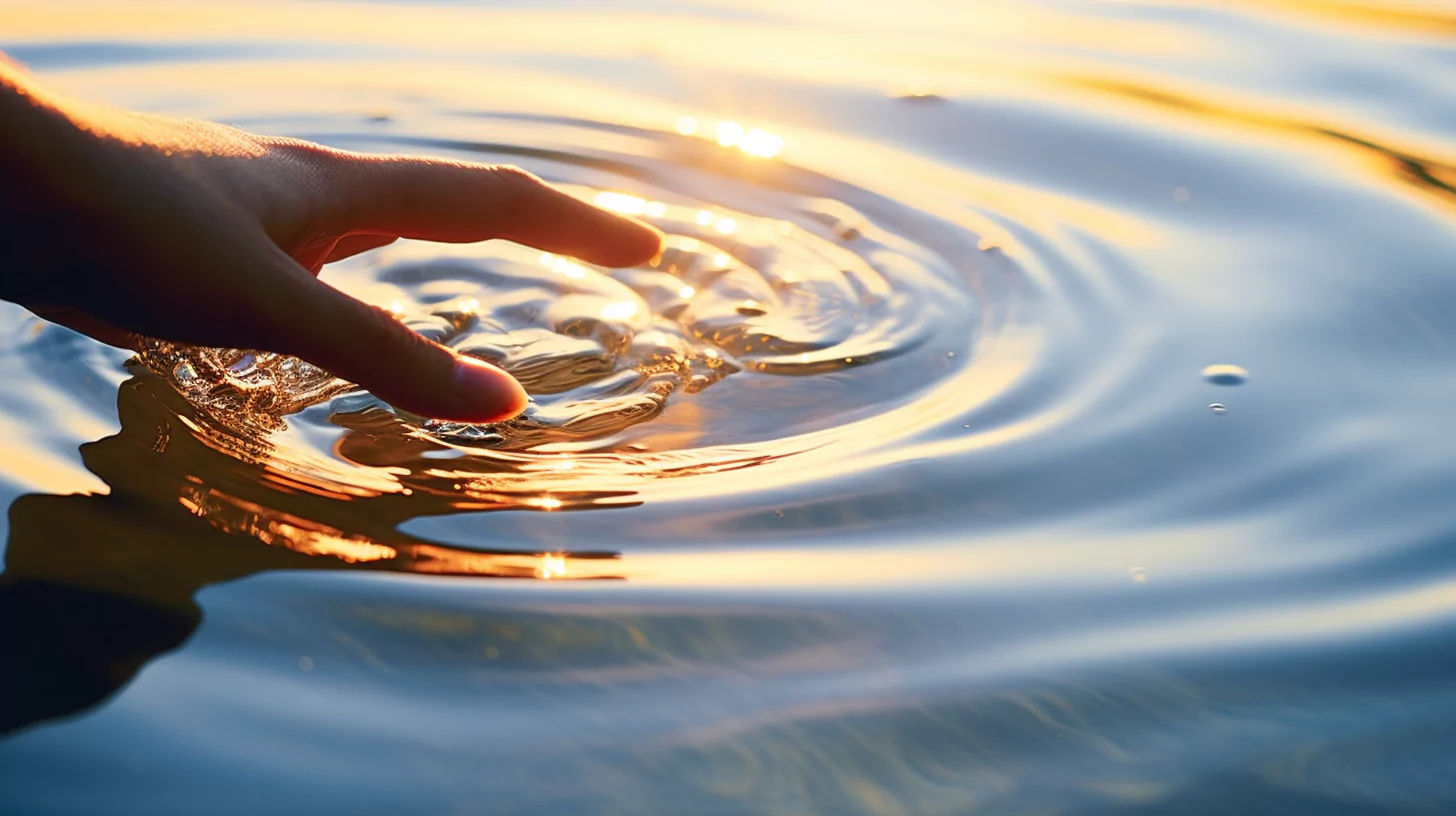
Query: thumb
pixel 369 346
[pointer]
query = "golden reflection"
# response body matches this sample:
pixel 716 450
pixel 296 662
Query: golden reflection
pixel 622 203
pixel 760 143
pixel 729 133
pixel 751 141
pixel 1431 174
pixel 552 566
pixel 704 218
pixel 726 225
pixel 1416 17
pixel 687 126
pixel 563 266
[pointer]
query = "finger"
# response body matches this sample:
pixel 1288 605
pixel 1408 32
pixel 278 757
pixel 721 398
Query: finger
pixel 284 309
pixel 458 202
pixel 372 348
pixel 351 245
pixel 255 296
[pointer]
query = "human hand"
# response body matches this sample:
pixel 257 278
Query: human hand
pixel 119 224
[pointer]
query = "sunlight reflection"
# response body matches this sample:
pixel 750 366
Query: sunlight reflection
pixel 622 203
pixel 751 141
pixel 760 143
pixel 621 310
pixel 552 566
pixel 729 133
pixel 562 266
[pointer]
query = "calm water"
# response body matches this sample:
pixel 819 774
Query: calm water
pixel 900 485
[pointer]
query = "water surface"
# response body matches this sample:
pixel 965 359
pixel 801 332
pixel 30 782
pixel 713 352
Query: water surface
pixel 1040 408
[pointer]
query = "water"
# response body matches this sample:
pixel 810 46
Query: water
pixel 1058 422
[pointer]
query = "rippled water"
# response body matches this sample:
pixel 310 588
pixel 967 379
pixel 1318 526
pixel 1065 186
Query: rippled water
pixel 1039 408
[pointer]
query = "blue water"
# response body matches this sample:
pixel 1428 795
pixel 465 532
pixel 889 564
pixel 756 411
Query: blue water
pixel 1007 557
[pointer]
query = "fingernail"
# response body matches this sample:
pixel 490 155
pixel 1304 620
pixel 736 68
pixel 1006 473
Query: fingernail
pixel 486 393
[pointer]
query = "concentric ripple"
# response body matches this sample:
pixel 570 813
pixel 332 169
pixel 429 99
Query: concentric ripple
pixel 795 316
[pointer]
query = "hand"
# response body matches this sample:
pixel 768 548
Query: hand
pixel 119 224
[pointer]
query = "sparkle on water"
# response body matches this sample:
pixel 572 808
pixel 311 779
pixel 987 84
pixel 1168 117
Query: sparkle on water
pixel 885 489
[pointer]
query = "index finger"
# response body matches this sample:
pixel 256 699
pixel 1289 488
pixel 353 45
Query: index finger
pixel 459 202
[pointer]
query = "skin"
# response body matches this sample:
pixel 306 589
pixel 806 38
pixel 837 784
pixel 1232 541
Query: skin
pixel 119 224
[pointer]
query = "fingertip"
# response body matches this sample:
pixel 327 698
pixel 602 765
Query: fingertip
pixel 484 393
pixel 638 243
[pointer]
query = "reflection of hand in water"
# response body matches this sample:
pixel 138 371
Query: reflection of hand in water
pixel 116 223
pixel 96 585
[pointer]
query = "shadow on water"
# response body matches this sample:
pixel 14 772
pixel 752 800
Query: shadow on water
pixel 95 586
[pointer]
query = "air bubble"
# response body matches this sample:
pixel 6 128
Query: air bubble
pixel 1218 408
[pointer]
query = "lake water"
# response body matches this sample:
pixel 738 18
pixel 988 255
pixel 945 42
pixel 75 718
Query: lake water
pixel 1041 407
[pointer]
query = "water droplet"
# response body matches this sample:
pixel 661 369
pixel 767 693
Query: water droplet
pixel 305 663
pixel 950 354
pixel 779 513
pixel 1181 195
pixel 1225 374
pixel 1218 408
pixel 987 245
pixel 750 308
pixel 1138 575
